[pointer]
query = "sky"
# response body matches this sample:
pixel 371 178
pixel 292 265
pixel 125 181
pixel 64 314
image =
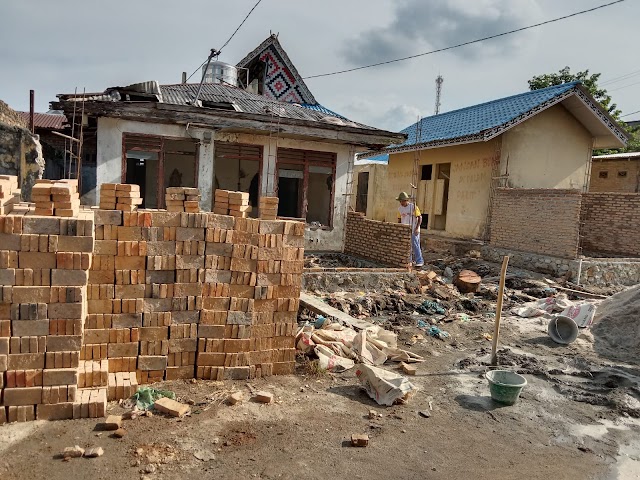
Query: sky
pixel 55 46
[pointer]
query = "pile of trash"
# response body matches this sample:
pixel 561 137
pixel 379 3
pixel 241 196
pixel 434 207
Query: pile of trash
pixel 340 347
pixel 581 313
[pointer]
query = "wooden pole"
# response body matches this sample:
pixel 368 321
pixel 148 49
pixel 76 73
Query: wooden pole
pixel 496 330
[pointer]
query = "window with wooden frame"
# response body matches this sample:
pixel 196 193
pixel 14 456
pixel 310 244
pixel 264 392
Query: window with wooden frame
pixel 306 185
pixel 155 163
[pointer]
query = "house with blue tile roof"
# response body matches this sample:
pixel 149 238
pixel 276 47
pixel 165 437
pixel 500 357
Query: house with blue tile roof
pixel 537 139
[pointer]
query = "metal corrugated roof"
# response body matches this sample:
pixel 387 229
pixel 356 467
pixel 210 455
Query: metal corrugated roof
pixel 479 118
pixel 321 108
pixel 184 94
pixel 617 156
pixel 49 121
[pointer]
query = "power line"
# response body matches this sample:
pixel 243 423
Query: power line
pixel 621 77
pixel 242 23
pixel 232 35
pixel 466 43
pixel 628 114
pixel 624 86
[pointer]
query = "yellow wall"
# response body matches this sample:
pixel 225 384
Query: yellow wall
pixel 469 186
pixel 614 182
pixel 376 202
pixel 550 150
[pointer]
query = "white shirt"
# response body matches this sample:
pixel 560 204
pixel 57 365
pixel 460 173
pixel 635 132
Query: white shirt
pixel 405 214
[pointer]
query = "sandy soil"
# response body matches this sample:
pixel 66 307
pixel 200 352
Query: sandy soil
pixel 304 433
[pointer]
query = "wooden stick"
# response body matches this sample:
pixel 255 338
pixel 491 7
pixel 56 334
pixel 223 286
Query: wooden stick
pixel 496 330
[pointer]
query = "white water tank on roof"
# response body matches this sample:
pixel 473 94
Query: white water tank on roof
pixel 220 72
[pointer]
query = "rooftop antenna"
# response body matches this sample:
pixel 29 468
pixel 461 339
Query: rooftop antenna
pixel 439 82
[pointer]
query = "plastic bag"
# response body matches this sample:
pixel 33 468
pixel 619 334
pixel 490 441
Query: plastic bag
pixel 145 397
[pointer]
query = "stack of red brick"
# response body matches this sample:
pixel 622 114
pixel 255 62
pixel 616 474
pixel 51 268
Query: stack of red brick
pixel 43 273
pixel 120 196
pixel 56 197
pixel 9 193
pixel 183 199
pixel 89 313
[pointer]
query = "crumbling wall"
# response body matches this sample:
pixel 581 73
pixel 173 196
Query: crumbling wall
pixel 611 223
pixel 92 306
pixel 543 221
pixel 10 117
pixel 20 153
pixel 385 243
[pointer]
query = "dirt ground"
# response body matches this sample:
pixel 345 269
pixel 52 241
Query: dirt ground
pixel 305 432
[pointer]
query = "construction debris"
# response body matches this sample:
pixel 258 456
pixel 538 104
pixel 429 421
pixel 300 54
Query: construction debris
pixel 73 452
pixel 467 281
pixel 171 407
pixel 359 440
pixel 386 388
pixel 113 422
pixel 93 452
pixel 263 397
pixel 235 397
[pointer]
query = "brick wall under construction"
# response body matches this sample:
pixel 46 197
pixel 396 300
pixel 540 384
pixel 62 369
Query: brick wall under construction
pixel 543 221
pixel 93 305
pixel 382 242
pixel 611 223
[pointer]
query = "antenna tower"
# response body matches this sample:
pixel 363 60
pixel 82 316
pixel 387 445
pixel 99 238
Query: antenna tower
pixel 439 82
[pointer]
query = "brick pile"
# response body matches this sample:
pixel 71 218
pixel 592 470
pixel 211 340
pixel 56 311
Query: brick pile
pixel 183 199
pixel 93 306
pixel 9 193
pixel 231 203
pixel 385 243
pixel 120 196
pixel 543 221
pixel 268 208
pixel 56 197
pixel 43 273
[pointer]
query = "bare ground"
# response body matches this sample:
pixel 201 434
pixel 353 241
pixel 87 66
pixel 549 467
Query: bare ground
pixel 305 433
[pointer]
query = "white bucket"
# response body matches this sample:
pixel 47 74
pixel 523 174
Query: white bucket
pixel 563 330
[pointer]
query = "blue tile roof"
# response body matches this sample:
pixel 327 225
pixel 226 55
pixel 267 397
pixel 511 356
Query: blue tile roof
pixel 478 118
pixel 319 108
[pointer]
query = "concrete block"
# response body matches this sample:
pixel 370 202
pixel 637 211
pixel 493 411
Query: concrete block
pixel 59 376
pixel 66 310
pixel 152 362
pixel 29 328
pixel 63 277
pixel 115 350
pixel 58 411
pixel 22 396
pixel 64 343
pixel 75 244
pixel 126 320
pixel 26 361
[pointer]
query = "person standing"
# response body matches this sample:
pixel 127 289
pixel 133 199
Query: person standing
pixel 409 214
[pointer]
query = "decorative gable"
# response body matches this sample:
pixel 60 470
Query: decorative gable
pixel 276 77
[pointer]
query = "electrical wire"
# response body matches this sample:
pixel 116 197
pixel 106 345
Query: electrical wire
pixel 621 77
pixel 466 43
pixel 624 86
pixel 232 35
pixel 628 114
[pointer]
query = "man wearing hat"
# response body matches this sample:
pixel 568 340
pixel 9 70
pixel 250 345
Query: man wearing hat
pixel 409 214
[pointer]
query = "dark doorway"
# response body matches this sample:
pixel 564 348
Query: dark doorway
pixel 363 192
pixel 137 175
pixel 289 194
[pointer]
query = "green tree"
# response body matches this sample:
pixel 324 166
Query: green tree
pixel 590 82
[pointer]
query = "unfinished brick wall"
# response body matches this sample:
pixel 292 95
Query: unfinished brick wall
pixel 94 305
pixel 382 242
pixel 611 223
pixel 544 221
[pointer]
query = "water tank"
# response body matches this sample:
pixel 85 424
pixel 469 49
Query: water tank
pixel 220 72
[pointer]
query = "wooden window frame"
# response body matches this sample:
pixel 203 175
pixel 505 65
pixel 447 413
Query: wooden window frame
pixel 306 163
pixel 160 198
pixel 259 159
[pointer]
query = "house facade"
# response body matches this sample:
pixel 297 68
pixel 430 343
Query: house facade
pixel 154 136
pixel 619 172
pixel 540 139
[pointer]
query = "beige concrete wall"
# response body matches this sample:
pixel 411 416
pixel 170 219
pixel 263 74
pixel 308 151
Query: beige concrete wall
pixel 469 185
pixel 614 181
pixel 376 203
pixel 550 150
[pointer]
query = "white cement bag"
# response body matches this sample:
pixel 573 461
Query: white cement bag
pixel 328 360
pixel 385 387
